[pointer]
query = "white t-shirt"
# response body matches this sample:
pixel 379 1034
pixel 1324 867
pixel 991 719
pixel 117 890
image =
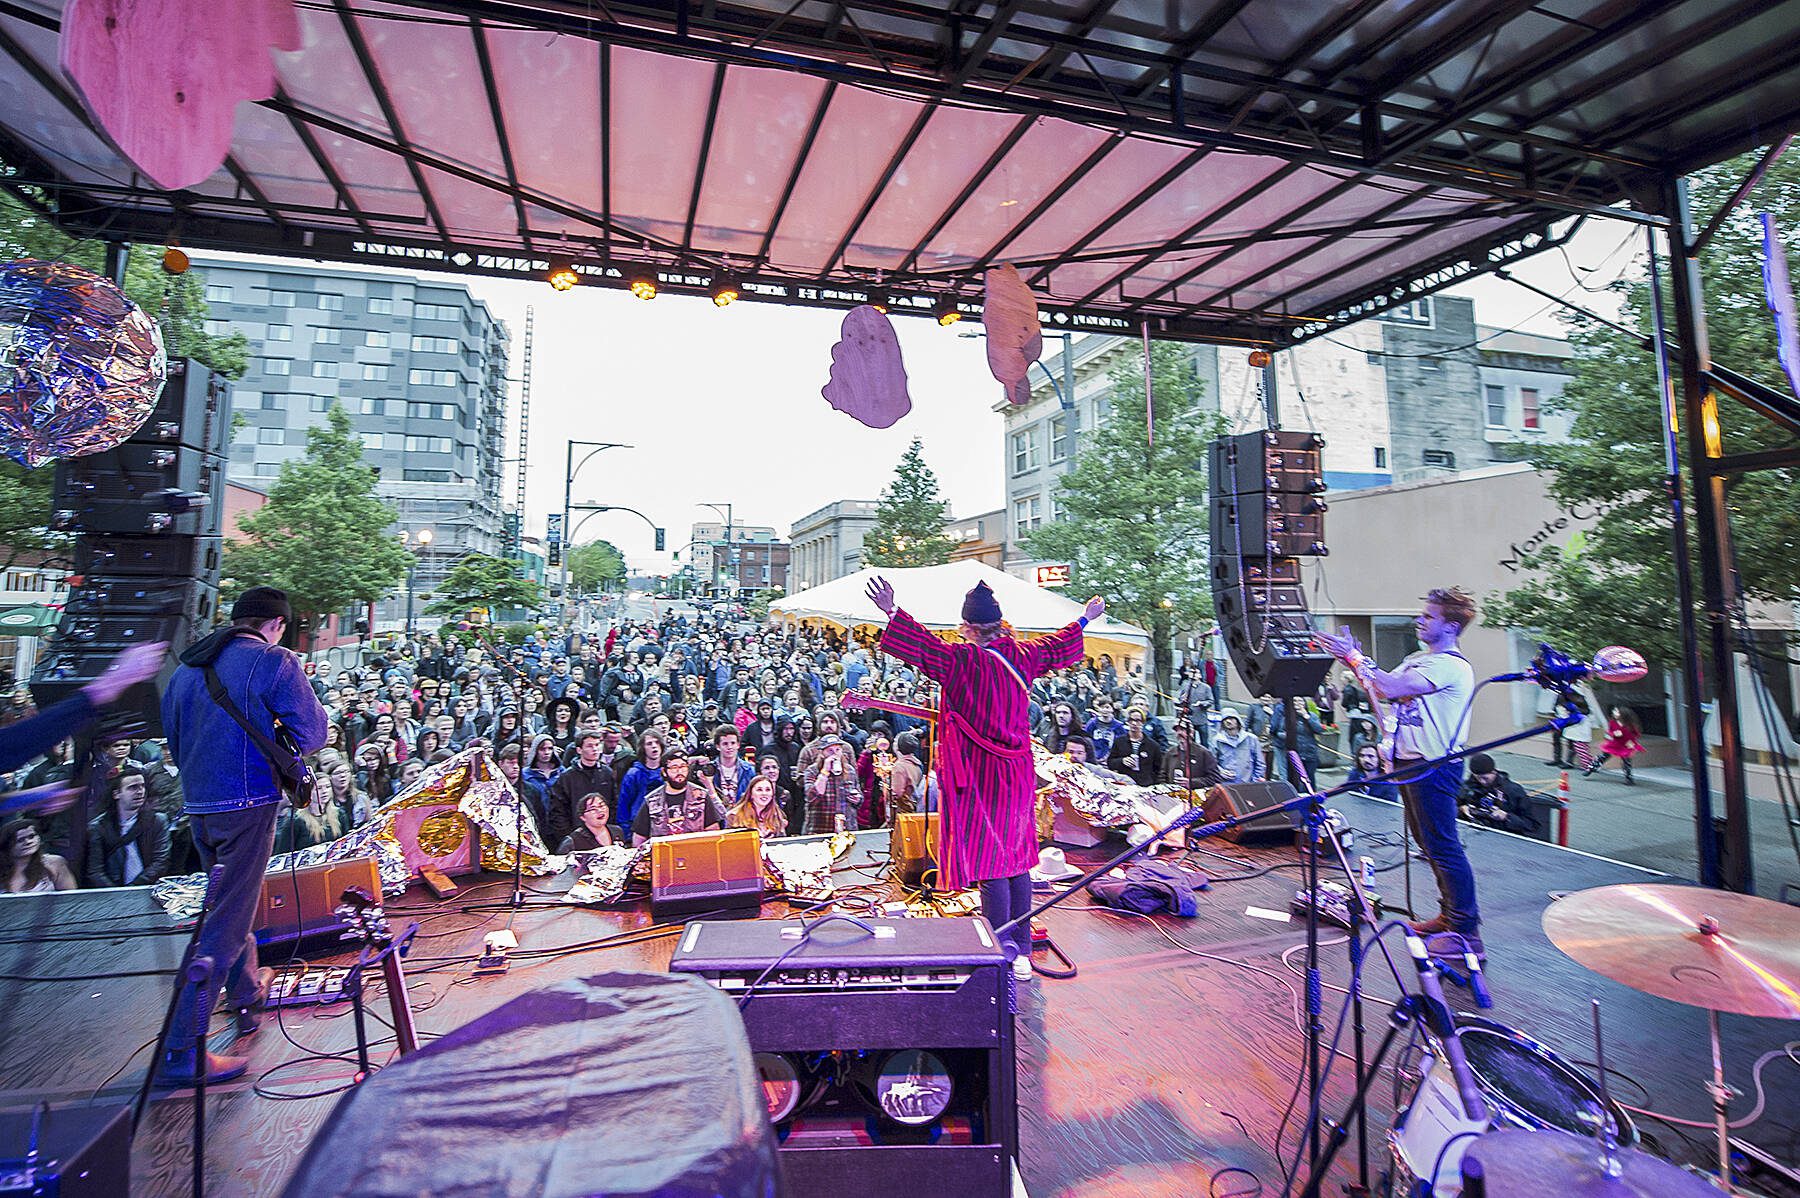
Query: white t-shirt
pixel 1432 725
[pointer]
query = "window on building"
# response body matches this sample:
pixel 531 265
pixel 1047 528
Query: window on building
pixel 374 407
pixel 279 332
pixel 377 340
pixel 371 440
pixel 267 469
pixel 271 436
pixel 435 345
pixel 1059 438
pixel 1528 407
pixel 218 293
pixel 1496 406
pixel 381 307
pixel 1381 457
pixel 426 476
pixel 325 336
pixel 1025 450
pixel 281 299
pixel 329 301
pixel 1442 458
pixel 318 403
pixel 1027 514
pixel 278 366
pixel 429 445
pixel 1413 312
pixel 216 328
pixel 431 378
pixel 273 401
pixel 375 371
pixel 436 312
pixel 324 370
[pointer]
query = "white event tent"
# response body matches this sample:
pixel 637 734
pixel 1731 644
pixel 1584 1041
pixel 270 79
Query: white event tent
pixel 933 595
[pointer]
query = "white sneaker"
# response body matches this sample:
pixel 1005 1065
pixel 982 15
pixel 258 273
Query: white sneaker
pixel 1022 969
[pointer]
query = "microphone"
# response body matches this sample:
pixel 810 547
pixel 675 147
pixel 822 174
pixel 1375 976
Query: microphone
pixel 1438 1019
pixel 1555 670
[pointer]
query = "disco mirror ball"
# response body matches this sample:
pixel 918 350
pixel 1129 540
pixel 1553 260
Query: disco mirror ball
pixel 81 366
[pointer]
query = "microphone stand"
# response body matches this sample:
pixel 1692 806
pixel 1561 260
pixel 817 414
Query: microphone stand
pixel 516 681
pixel 188 956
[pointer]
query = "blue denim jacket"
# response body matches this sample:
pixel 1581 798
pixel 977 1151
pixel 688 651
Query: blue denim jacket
pixel 221 770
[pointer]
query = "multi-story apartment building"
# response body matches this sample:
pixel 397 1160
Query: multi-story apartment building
pixel 419 364
pixel 827 543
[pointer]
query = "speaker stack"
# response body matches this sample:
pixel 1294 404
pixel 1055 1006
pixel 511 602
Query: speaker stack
pixel 147 517
pixel 1267 513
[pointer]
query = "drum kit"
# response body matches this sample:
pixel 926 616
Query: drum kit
pixel 1548 1129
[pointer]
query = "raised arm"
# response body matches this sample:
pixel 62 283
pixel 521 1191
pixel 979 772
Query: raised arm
pixel 1065 646
pixel 1409 684
pixel 906 638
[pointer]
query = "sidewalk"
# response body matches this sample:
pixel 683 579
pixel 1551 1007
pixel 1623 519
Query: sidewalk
pixel 1652 823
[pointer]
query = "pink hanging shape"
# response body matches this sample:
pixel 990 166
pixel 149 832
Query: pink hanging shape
pixel 162 78
pixel 1014 338
pixel 868 377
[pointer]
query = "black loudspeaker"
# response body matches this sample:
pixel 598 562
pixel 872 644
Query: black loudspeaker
pixel 1246 798
pixel 148 515
pixel 80 1152
pixel 886 1052
pixel 1266 513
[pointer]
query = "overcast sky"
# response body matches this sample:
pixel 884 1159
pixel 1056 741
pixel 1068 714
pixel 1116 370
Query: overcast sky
pixel 723 405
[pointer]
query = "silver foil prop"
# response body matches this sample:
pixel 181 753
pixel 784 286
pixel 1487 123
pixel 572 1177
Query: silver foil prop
pixel 603 874
pixel 81 365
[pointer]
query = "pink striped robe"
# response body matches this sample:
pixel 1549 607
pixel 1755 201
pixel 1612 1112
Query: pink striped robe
pixel 989 809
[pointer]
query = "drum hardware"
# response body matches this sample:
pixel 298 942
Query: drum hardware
pixel 1513 1161
pixel 1710 949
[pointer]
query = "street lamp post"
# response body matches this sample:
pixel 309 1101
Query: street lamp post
pixel 570 469
pixel 422 539
pixel 723 509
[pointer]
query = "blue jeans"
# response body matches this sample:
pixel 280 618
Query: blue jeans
pixel 1430 802
pixel 1005 899
pixel 241 842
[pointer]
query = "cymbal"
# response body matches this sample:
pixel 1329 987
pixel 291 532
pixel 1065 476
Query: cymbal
pixel 1550 1162
pixel 1712 949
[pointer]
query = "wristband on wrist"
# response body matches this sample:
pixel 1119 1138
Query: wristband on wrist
pixel 1082 620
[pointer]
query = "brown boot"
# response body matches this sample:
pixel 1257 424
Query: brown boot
pixel 181 1069
pixel 1430 927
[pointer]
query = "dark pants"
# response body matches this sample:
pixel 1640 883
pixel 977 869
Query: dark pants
pixel 1430 801
pixel 1003 900
pixel 241 842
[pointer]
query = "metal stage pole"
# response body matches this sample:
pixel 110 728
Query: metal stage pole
pixel 1713 526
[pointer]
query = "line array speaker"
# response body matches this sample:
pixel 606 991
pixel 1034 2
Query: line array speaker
pixel 1267 513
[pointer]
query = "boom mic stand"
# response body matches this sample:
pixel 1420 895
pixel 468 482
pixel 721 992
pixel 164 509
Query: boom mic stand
pixel 515 680
pixel 1298 803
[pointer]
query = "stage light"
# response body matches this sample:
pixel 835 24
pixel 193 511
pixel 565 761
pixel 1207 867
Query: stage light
pixel 644 287
pixel 174 262
pixel 1260 358
pixel 725 289
pixel 562 274
pixel 945 311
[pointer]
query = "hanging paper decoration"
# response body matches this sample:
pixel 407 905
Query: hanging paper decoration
pixel 1780 293
pixel 81 366
pixel 1014 338
pixel 868 377
pixel 163 79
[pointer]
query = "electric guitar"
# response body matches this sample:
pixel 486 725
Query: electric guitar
pixel 856 702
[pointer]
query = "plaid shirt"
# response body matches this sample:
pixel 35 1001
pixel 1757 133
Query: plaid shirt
pixel 841 795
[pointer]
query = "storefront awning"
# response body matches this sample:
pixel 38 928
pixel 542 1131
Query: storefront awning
pixel 33 619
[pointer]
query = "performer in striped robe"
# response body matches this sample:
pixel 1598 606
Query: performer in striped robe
pixel 989 787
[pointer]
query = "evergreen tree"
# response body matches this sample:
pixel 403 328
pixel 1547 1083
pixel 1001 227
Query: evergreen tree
pixel 1620 574
pixel 324 537
pixel 909 520
pixel 480 581
pixel 1133 516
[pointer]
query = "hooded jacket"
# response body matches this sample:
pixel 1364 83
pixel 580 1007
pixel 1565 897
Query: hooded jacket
pixel 221 770
pixel 1240 756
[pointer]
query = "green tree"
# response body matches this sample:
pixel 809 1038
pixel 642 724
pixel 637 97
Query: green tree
pixel 1621 574
pixel 177 301
pixel 909 520
pixel 596 565
pixel 324 536
pixel 24 510
pixel 1133 516
pixel 478 580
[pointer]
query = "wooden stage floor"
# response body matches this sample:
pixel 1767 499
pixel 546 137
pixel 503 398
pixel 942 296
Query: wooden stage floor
pixel 1144 1075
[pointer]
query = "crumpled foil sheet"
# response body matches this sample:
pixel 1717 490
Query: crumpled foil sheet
pixel 1102 801
pixel 469 781
pixel 81 365
pixel 603 874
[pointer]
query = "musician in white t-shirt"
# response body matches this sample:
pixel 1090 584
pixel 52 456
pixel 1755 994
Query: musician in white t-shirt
pixel 1429 696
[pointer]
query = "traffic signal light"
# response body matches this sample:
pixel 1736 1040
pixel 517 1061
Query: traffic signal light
pixel 659 540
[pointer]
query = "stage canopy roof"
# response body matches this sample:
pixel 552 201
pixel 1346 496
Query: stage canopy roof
pixel 1224 169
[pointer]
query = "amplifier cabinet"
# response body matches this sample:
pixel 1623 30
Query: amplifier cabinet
pixel 854 999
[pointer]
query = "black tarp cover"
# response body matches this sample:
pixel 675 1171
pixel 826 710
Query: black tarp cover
pixel 617 1084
